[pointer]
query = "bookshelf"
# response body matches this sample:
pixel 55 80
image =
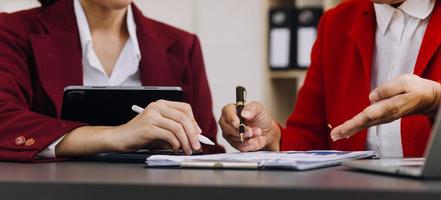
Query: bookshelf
pixel 284 84
pixel 288 74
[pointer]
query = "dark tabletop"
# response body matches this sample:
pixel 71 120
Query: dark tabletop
pixel 90 180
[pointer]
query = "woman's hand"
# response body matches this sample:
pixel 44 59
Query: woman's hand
pixel 172 122
pixel 406 95
pixel 261 133
pixel 164 121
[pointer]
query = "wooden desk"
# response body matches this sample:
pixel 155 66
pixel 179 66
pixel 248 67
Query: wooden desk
pixel 80 180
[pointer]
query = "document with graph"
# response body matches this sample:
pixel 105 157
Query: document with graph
pixel 289 160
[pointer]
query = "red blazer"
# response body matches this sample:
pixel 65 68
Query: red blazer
pixel 40 54
pixel 337 85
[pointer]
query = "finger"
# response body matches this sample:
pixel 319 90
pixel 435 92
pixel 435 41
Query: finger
pixel 167 136
pixel 248 132
pixel 382 112
pixel 390 89
pixel 358 122
pixel 236 137
pixel 361 121
pixel 182 119
pixel 178 131
pixel 257 132
pixel 252 144
pixel 226 127
pixel 184 108
pixel 229 115
pixel 229 132
pixel 251 110
pixel 348 128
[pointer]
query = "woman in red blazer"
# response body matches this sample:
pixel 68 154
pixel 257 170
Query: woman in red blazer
pixel 41 53
pixel 338 87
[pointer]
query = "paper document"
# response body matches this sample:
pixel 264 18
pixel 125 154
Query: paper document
pixel 293 160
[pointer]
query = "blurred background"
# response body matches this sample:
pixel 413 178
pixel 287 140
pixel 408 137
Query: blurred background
pixel 237 37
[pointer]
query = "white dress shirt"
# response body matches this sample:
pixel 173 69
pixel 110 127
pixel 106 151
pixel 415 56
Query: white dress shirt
pixel 125 71
pixel 399 36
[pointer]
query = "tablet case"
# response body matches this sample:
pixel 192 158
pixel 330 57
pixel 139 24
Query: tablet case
pixel 111 106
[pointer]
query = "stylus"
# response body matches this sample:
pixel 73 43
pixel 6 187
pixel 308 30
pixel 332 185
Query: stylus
pixel 201 138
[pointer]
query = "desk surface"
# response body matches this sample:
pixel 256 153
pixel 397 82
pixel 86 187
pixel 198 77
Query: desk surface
pixel 89 180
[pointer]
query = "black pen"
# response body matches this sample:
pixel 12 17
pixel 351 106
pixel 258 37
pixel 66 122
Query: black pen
pixel 240 104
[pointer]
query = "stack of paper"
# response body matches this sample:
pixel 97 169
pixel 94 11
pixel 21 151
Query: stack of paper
pixel 293 160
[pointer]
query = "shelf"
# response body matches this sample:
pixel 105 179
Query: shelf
pixel 288 74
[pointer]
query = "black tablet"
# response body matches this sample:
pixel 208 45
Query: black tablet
pixel 111 106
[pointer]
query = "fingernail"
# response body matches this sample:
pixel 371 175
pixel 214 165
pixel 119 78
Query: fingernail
pixel 374 96
pixel 248 133
pixel 246 113
pixel 335 137
pixel 197 145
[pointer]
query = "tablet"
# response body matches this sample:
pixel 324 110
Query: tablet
pixel 111 106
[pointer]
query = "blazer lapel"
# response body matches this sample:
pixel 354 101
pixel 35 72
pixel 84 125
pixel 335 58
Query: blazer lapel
pixel 431 41
pixel 58 52
pixel 363 34
pixel 158 67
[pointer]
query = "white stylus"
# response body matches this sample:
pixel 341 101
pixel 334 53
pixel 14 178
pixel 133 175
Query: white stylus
pixel 201 138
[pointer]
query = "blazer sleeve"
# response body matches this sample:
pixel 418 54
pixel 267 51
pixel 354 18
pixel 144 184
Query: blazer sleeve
pixel 23 132
pixel 202 103
pixel 307 127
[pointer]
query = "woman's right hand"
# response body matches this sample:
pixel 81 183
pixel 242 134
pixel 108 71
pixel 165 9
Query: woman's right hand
pixel 261 133
pixel 164 121
pixel 171 122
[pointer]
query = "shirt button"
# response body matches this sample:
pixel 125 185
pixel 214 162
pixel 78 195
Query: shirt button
pixel 30 142
pixel 20 140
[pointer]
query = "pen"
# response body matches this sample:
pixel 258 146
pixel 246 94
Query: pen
pixel 201 138
pixel 240 104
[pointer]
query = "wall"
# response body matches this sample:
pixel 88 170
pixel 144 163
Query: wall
pixel 233 36
pixel 233 39
pixel 11 6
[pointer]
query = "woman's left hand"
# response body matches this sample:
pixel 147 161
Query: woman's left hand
pixel 408 94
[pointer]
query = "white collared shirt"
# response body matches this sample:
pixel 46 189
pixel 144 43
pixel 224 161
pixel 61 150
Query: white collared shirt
pixel 399 36
pixel 125 71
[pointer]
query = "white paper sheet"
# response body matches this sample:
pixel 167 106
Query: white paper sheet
pixel 296 160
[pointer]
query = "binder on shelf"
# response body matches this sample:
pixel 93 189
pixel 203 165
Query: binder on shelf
pixel 281 41
pixel 292 34
pixel 307 22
